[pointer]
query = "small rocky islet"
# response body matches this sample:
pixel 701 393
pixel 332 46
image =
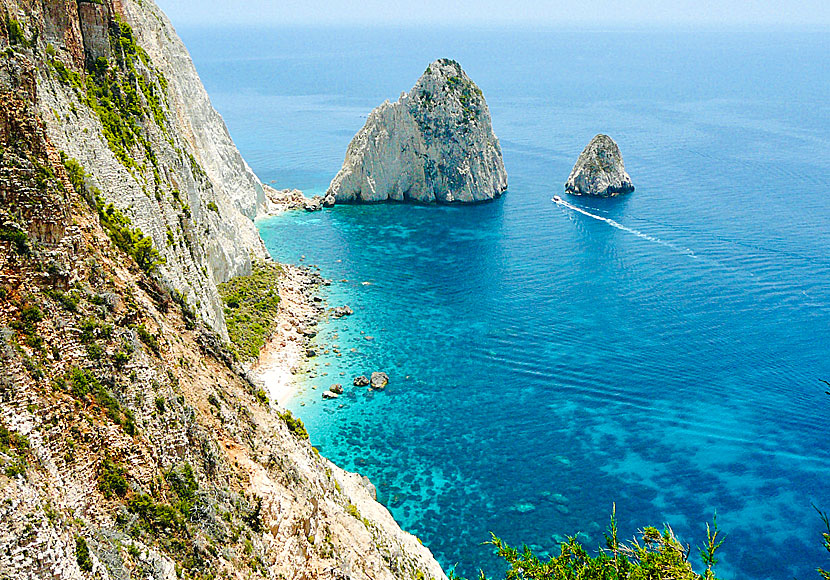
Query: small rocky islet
pixel 599 171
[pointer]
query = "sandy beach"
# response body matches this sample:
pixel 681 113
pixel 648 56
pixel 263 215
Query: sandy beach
pixel 285 352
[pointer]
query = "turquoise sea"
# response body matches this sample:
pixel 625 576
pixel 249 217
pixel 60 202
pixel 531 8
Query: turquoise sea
pixel 662 351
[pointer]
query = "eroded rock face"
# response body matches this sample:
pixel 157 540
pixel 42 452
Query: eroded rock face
pixel 435 144
pixel 599 171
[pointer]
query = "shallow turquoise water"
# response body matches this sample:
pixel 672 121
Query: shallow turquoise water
pixel 662 351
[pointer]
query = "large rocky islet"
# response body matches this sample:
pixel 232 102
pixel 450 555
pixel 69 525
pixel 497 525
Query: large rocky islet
pixel 435 144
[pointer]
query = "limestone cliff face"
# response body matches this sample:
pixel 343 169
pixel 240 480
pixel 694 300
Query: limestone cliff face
pixel 131 443
pixel 435 144
pixel 118 93
pixel 599 171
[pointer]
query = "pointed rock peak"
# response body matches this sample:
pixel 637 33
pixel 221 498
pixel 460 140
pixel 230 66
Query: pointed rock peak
pixel 600 170
pixel 444 69
pixel 435 144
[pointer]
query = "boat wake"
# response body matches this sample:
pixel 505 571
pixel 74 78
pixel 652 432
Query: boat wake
pixel 559 201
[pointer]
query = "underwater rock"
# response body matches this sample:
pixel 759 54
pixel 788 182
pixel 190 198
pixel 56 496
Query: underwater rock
pixel 599 171
pixel 435 144
pixel 524 507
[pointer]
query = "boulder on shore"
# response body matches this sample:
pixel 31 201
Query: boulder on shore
pixel 435 144
pixel 599 171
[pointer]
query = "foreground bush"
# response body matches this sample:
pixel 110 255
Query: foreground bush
pixel 653 555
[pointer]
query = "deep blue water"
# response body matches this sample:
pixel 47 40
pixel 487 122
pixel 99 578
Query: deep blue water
pixel 544 363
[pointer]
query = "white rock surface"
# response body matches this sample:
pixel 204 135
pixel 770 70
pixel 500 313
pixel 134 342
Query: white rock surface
pixel 435 144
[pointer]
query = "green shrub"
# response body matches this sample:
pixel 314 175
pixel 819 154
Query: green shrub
pixel 183 481
pixel 251 307
pixel 18 239
pixel 15 468
pixel 122 356
pixel 352 510
pixel 82 554
pixel 16 35
pixel 294 424
pixel 66 76
pixel 654 555
pixel 111 480
pixel 213 207
pixel 826 537
pixel 149 339
pixel 69 300
pixel 89 328
pixel 11 440
pixel 29 315
pixel 155 516
pixel 83 383
pixel 94 351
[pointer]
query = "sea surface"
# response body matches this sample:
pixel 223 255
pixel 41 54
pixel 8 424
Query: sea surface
pixel 661 352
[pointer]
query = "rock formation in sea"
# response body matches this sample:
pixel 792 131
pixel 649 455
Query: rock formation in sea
pixel 435 144
pixel 132 444
pixel 599 171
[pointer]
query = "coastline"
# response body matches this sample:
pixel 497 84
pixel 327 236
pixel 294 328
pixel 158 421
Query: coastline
pixel 285 351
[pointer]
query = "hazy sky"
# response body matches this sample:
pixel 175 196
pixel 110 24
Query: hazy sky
pixel 541 12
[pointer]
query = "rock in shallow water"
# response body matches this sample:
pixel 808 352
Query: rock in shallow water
pixel 599 171
pixel 342 311
pixel 379 380
pixel 435 144
pixel 361 381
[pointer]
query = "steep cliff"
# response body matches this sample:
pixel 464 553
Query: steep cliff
pixel 118 93
pixel 599 170
pixel 435 144
pixel 131 443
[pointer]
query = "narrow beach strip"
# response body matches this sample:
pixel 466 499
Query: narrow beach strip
pixel 285 351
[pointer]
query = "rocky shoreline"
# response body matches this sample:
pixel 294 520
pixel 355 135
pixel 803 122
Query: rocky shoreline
pixel 289 348
pixel 278 201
